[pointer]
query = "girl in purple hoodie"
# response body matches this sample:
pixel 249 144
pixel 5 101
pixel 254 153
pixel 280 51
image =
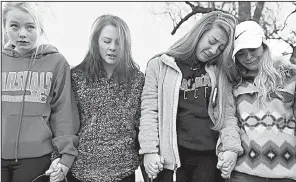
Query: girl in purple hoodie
pixel 39 113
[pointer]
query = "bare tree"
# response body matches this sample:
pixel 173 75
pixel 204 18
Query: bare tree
pixel 244 10
pixel 280 30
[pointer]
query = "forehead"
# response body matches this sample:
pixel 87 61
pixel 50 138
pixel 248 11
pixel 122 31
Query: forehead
pixel 109 31
pixel 218 33
pixel 19 16
pixel 249 50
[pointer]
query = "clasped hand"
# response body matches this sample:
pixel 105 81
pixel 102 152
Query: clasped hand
pixel 226 162
pixel 153 164
pixel 57 171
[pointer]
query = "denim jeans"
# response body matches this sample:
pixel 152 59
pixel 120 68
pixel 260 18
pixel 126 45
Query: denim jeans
pixel 242 177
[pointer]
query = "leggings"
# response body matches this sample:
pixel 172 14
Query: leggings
pixel 25 170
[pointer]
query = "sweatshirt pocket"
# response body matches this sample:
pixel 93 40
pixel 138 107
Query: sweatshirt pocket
pixel 33 129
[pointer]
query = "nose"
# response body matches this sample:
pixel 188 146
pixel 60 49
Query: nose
pixel 214 49
pixel 112 46
pixel 249 55
pixel 22 33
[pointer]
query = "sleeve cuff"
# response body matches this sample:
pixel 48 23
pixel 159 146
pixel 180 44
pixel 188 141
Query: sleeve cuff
pixel 67 160
pixel 141 152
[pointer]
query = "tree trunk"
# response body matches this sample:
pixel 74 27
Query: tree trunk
pixel 258 11
pixel 293 57
pixel 244 11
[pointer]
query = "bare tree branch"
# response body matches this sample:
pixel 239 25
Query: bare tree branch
pixel 285 22
pixel 223 4
pixel 281 38
pixel 190 4
pixel 196 9
pixel 286 53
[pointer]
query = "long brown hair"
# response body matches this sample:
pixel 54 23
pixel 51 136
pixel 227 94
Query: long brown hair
pixel 92 62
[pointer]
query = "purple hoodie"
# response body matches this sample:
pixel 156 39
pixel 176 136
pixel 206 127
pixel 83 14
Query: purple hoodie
pixel 39 112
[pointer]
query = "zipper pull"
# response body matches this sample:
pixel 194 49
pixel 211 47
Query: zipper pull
pixel 214 96
pixel 175 174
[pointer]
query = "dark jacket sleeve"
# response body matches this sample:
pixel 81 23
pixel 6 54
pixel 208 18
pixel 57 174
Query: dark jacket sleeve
pixel 64 117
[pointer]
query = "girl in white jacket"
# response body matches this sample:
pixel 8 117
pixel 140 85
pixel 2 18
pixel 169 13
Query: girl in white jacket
pixel 184 102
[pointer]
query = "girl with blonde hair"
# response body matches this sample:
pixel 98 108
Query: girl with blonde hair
pixel 265 107
pixel 39 113
pixel 185 101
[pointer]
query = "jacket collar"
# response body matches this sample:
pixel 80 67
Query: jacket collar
pixel 170 61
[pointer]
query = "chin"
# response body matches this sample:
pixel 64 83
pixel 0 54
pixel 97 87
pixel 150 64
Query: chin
pixel 111 62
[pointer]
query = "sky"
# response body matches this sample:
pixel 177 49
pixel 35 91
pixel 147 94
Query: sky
pixel 68 26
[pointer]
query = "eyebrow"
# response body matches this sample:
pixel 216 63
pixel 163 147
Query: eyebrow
pixel 220 41
pixel 12 21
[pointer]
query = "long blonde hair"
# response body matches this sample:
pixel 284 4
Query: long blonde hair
pixel 28 7
pixel 184 50
pixel 32 8
pixel 268 79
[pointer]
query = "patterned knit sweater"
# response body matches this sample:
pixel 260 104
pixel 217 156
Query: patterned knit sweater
pixel 268 133
pixel 109 113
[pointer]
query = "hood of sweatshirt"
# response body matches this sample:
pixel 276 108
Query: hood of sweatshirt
pixel 42 51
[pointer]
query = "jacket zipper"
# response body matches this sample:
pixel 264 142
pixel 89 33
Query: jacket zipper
pixel 176 165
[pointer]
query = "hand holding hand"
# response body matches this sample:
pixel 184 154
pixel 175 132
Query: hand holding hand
pixel 153 164
pixel 57 171
pixel 226 162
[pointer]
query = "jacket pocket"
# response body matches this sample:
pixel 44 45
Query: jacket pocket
pixel 46 127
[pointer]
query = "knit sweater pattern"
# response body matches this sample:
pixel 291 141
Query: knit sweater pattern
pixel 109 114
pixel 267 132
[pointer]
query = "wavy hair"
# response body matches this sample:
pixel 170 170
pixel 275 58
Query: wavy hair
pixel 184 49
pixel 268 79
pixel 92 62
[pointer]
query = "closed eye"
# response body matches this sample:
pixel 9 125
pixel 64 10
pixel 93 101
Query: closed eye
pixel 14 26
pixel 107 40
pixel 212 41
pixel 31 27
pixel 239 53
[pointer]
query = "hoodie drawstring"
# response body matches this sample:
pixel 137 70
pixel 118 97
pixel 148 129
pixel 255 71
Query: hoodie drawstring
pixel 22 109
